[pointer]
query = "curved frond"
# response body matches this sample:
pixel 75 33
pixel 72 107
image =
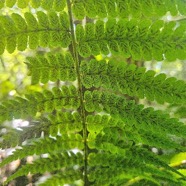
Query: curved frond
pixel 65 123
pixel 14 137
pixel 133 80
pixel 52 163
pixel 57 5
pixel 91 130
pixel 127 8
pixel 47 30
pixel 141 40
pixel 52 67
pixel 108 168
pixel 67 177
pixel 61 122
pixel 66 97
pixel 46 145
pixel 141 118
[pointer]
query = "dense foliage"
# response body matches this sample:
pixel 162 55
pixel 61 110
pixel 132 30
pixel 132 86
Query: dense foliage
pixel 96 132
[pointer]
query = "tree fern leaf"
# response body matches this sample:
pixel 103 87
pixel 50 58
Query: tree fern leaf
pixel 42 32
pixel 147 156
pixel 16 137
pixel 52 67
pixel 39 166
pixel 160 141
pixel 58 34
pixel 67 177
pixel 92 125
pixel 130 43
pixel 123 77
pixel 46 145
pixel 44 24
pixel 138 9
pixel 57 5
pixel 65 123
pixel 102 173
pixel 22 27
pixel 146 118
pixel 22 108
pixel 164 176
pixel 9 27
pixel 32 26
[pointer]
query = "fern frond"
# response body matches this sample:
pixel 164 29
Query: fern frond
pixel 96 123
pixel 150 158
pixel 15 137
pixel 66 97
pixel 133 80
pixel 159 141
pixel 57 5
pixel 64 177
pixel 109 168
pixel 125 8
pixel 65 123
pixel 95 134
pixel 141 40
pixel 46 145
pixel 53 124
pixel 146 119
pixel 52 163
pixel 52 67
pixel 124 137
pixel 18 32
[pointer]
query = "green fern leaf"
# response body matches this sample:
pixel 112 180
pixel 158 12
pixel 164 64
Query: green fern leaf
pixel 38 102
pixel 69 177
pixel 39 166
pixel 52 67
pixel 9 29
pixel 32 26
pixel 123 77
pixel 134 8
pixel 42 146
pixel 129 42
pixel 22 27
pixel 48 30
pixel 86 123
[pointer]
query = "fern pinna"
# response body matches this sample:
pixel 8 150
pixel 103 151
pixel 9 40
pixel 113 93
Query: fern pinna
pixel 96 132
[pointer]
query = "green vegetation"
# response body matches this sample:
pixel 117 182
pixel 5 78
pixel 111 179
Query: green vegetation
pixel 89 123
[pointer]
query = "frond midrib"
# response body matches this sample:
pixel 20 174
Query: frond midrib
pixel 32 31
pixel 80 87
